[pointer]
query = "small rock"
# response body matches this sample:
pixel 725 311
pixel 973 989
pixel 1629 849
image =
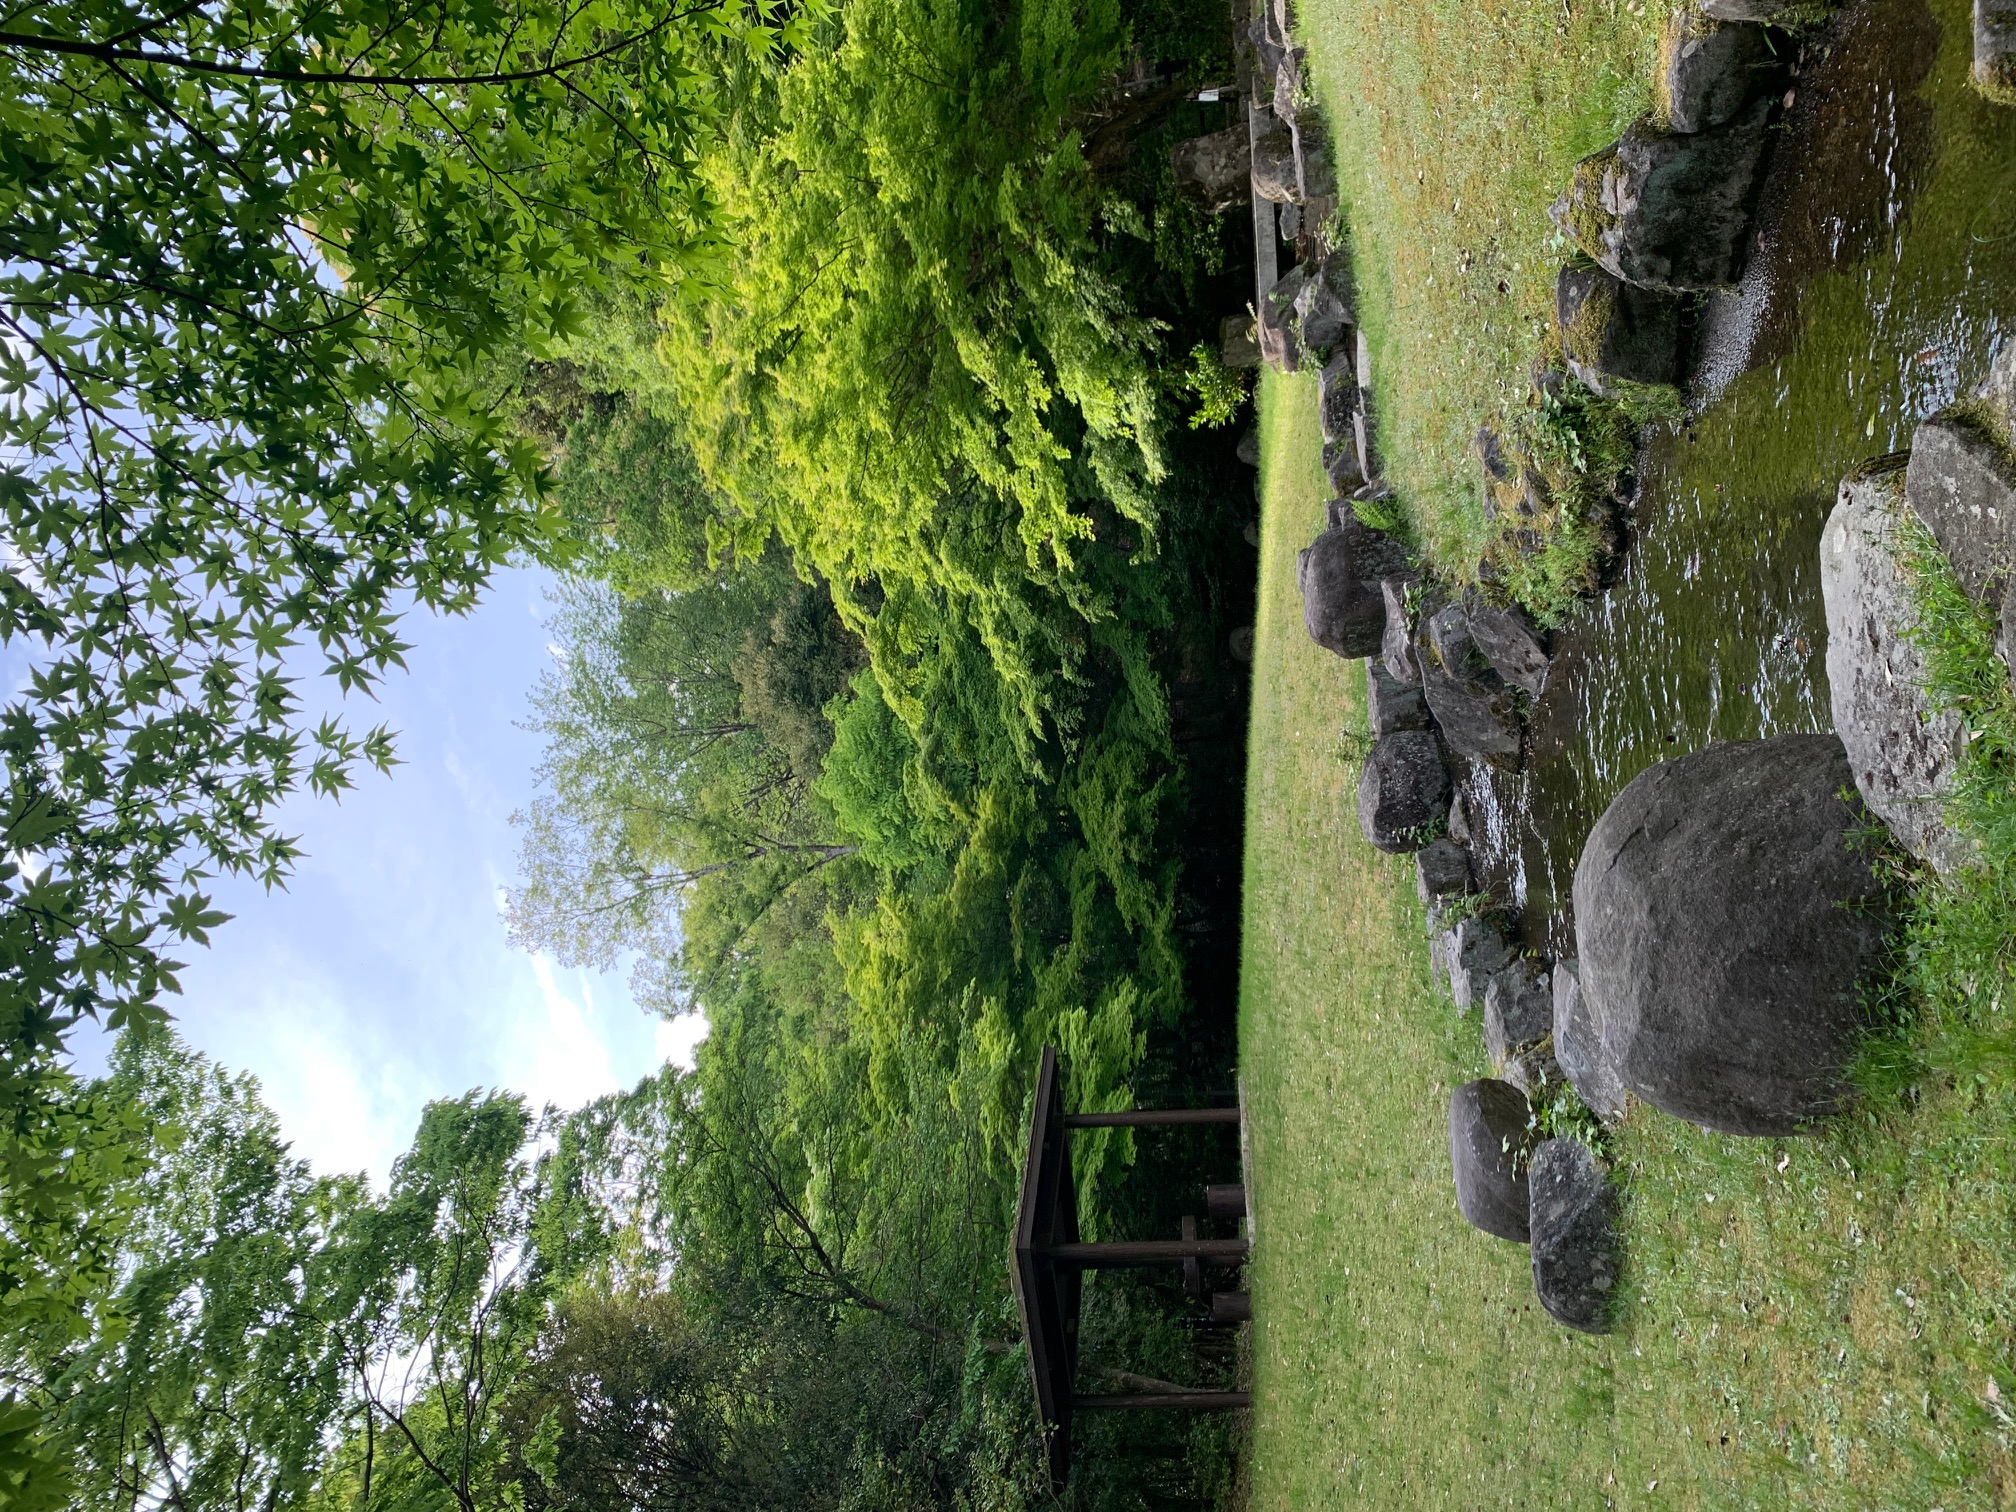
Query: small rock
pixel 1488 1141
pixel 1343 605
pixel 1509 644
pixel 1441 870
pixel 1340 466
pixel 1250 532
pixel 1280 345
pixel 1289 222
pixel 1324 320
pixel 1477 722
pixel 1669 210
pixel 1238 342
pixel 1747 10
pixel 1459 820
pixel 1491 452
pixel 1727 925
pixel 1579 1049
pixel 1240 644
pixel 1248 449
pixel 1901 749
pixel 1962 484
pixel 1216 170
pixel 1396 645
pixel 1995 49
pixel 1448 631
pixel 1401 791
pixel 1473 952
pixel 1314 178
pixel 1572 1225
pixel 1714 69
pixel 1361 435
pixel 1288 86
pixel 1613 330
pixel 1518 1010
pixel 1391 704
pixel 1274 175
pixel 1336 397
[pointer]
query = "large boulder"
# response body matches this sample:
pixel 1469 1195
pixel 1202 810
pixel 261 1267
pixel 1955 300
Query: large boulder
pixel 1612 330
pixel 1667 209
pixel 1962 483
pixel 1728 925
pixel 1509 645
pixel 1343 607
pixel 1995 49
pixel 1578 1047
pixel 1396 642
pixel 1239 342
pixel 1323 316
pixel 1390 704
pixel 1402 790
pixel 1572 1226
pixel 1715 69
pixel 1901 749
pixel 1488 1141
pixel 1216 170
pixel 1340 466
pixel 1314 177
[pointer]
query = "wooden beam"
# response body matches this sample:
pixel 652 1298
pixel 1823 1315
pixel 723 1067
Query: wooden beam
pixel 1192 1401
pixel 1114 1255
pixel 1150 1118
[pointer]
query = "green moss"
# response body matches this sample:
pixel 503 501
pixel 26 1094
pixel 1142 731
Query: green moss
pixel 1580 209
pixel 1582 335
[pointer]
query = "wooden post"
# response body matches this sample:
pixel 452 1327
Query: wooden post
pixel 1226 1201
pixel 1231 1307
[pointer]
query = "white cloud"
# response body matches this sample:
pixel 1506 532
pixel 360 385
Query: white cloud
pixel 676 1040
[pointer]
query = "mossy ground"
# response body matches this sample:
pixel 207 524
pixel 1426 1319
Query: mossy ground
pixel 1812 1323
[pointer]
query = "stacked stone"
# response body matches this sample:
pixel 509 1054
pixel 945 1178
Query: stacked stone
pixel 1666 209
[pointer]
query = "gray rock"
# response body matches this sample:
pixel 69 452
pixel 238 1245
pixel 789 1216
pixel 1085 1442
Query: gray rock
pixel 1391 704
pixel 1901 749
pixel 1518 1010
pixel 1289 222
pixel 1488 1141
pixel 1275 176
pixel 1473 951
pixel 1727 928
pixel 1572 1225
pixel 1665 209
pixel 1280 344
pixel 1459 820
pixel 1995 49
pixel 1336 397
pixel 1962 484
pixel 1998 390
pixel 1288 93
pixel 1362 359
pixel 1238 342
pixel 1477 722
pixel 1396 644
pixel 1361 434
pixel 1314 178
pixel 1441 870
pixel 1532 1069
pixel 1343 606
pixel 1578 1048
pixel 1324 319
pixel 1402 790
pixel 1509 644
pixel 1449 638
pixel 1714 69
pixel 1248 449
pixel 1340 466
pixel 1747 10
pixel 1613 330
pixel 1216 170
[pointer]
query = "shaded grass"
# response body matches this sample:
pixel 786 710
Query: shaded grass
pixel 1455 124
pixel 1807 1323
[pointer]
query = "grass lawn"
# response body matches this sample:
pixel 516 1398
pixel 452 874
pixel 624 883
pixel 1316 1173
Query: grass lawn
pixel 1811 1323
pixel 1455 123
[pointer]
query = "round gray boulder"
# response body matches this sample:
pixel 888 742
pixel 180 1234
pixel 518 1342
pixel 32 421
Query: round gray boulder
pixel 1572 1219
pixel 1402 790
pixel 1726 927
pixel 1488 1140
pixel 1343 606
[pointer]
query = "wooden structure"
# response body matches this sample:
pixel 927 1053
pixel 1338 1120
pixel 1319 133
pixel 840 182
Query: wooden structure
pixel 1050 1260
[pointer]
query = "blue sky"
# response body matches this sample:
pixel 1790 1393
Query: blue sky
pixel 381 978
